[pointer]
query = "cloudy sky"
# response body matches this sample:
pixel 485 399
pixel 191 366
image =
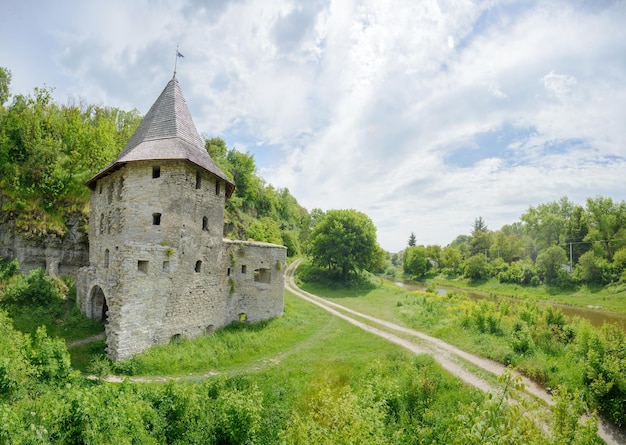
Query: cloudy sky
pixel 423 114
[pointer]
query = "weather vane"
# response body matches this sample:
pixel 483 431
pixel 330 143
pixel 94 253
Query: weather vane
pixel 178 54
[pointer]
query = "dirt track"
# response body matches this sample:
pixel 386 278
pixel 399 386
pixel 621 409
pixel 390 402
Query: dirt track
pixel 447 355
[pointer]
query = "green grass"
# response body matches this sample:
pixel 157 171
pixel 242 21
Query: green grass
pixel 291 359
pixel 611 297
pixel 69 325
pixel 83 355
pixel 304 334
pixel 536 339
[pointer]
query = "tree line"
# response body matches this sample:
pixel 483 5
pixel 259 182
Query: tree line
pixel 559 244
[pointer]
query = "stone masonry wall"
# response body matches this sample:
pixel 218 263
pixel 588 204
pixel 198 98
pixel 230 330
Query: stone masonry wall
pixel 158 257
pixel 257 273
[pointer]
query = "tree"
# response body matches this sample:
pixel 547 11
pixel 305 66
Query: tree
pixel 546 223
pixel 481 239
pixel 451 259
pixel 243 171
pixel 216 147
pixel 5 81
pixel 608 223
pixel 344 240
pixel 434 251
pixel 476 267
pixel 507 245
pixel 415 261
pixel 549 262
pixel 576 229
pixel 411 242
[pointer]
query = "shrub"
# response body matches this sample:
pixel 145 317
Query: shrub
pixel 35 290
pixel 8 269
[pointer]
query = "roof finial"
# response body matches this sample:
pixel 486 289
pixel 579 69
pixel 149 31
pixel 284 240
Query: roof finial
pixel 178 54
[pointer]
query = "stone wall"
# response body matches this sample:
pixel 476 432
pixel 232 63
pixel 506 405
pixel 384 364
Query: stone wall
pixel 159 261
pixel 257 272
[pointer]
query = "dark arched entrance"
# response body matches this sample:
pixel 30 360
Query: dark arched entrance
pixel 99 308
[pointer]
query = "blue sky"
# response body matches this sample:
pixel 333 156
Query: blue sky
pixel 423 115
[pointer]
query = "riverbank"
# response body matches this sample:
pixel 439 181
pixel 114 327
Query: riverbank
pixel 605 298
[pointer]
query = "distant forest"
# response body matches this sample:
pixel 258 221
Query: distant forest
pixel 559 244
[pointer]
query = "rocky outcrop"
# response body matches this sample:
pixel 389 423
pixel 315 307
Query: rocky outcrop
pixel 57 255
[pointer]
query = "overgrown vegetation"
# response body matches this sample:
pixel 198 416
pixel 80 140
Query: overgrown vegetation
pixel 36 300
pixel 47 153
pixel 257 210
pixel 536 339
pixel 306 376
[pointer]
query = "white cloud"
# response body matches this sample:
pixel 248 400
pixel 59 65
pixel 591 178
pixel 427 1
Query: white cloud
pixel 558 84
pixel 424 115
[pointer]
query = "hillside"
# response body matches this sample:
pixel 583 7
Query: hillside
pixel 48 151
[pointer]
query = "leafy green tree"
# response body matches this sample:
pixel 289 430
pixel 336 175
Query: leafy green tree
pixel 266 230
pixel 243 169
pixel 481 239
pixel 411 242
pixel 415 261
pixel 47 152
pixel 434 253
pixel 344 240
pixel 593 269
pixel 5 82
pixel 546 222
pixel 576 230
pixel 451 259
pixel 507 244
pixel 463 244
pixel 608 223
pixel 549 263
pixel 216 147
pixel 619 261
pixel 476 267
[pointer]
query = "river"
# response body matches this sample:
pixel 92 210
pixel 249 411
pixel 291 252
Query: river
pixel 596 317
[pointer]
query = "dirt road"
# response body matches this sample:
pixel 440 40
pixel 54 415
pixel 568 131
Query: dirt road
pixel 450 357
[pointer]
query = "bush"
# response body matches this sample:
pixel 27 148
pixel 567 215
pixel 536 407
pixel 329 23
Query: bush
pixel 35 290
pixel 8 269
pixel 476 267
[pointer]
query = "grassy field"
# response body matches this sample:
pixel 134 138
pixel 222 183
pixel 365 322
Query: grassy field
pixel 611 297
pixel 309 357
pixel 536 339
pixel 305 377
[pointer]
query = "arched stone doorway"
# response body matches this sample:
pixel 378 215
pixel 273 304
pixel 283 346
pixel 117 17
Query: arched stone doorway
pixel 99 308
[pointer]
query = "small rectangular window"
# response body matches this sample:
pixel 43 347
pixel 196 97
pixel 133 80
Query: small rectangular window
pixel 156 219
pixel 198 180
pixel 262 275
pixel 156 172
pixel 244 268
pixel 166 266
pixel 217 186
pixel 228 272
pixel 142 266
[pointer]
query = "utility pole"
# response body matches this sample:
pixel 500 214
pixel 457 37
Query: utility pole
pixel 571 263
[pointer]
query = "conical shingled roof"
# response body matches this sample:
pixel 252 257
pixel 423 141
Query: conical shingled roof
pixel 167 132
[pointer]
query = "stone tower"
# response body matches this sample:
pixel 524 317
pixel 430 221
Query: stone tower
pixel 159 266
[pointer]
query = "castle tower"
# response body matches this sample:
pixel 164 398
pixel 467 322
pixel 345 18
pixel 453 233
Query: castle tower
pixel 159 268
